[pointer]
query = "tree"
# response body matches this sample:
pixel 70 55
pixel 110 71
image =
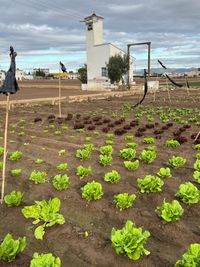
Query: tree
pixel 82 74
pixel 40 73
pixel 117 67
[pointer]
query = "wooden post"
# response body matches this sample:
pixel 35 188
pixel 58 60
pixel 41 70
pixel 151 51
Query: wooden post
pixel 197 136
pixel 168 91
pixel 188 93
pixel 5 150
pixel 60 112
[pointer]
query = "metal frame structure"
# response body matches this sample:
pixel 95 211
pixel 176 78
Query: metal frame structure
pixel 149 58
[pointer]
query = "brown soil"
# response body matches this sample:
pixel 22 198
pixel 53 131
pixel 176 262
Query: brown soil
pixel 168 241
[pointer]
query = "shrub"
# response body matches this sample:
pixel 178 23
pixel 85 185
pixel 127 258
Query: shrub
pixel 130 241
pixel 92 191
pixel 112 177
pixel 170 212
pixel 124 200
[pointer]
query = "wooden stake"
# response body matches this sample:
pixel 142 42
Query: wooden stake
pixel 5 150
pixel 197 136
pixel 60 112
pixel 187 87
pixel 168 91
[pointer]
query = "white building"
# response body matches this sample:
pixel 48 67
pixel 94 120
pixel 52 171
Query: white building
pixel 2 75
pixel 98 53
pixel 19 75
pixel 46 71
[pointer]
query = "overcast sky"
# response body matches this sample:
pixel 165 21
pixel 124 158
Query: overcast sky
pixel 45 32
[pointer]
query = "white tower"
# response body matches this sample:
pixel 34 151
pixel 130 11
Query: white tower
pixel 94 36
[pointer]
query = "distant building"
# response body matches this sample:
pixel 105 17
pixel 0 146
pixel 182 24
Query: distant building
pixel 73 75
pixel 19 74
pixel 2 75
pixel 46 71
pixel 98 53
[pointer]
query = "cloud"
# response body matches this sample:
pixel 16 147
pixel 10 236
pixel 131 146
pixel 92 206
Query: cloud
pixel 44 33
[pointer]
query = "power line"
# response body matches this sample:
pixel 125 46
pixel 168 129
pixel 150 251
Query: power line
pixel 60 12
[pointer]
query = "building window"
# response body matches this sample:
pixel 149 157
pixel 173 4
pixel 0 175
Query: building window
pixel 90 27
pixel 104 72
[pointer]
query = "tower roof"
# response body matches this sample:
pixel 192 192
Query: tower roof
pixel 93 16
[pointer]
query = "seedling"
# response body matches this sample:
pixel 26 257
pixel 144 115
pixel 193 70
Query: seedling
pixel 191 257
pixel 62 166
pixel 82 171
pixel 38 177
pixel 188 193
pixel 132 165
pixel 149 140
pixel 172 143
pixel 14 198
pixel 16 155
pixel 128 153
pixel 38 161
pixel 105 160
pixel 106 150
pixel 43 260
pixel 164 173
pixel 148 156
pixel 16 172
pixel 176 162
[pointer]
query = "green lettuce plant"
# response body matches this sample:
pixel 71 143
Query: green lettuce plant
pixel 85 152
pixel 82 171
pixel 132 165
pixel 164 173
pixel 44 212
pixel 176 162
pixel 172 143
pixel 148 156
pixel 109 142
pixel 1 165
pixel 16 155
pixel 196 176
pixel 92 191
pixel 197 165
pixel 10 248
pixel 132 145
pixel 130 241
pixel 14 198
pixel 124 200
pixel 170 212
pixel 197 156
pixel 39 161
pixel 191 258
pixel 197 147
pixel 106 150
pixel 105 160
pixel 127 153
pixel 62 166
pixel 61 182
pixel 1 150
pixel 112 177
pixel 45 260
pixel 128 137
pixel 188 193
pixel 150 184
pixel 16 172
pixel 149 140
pixel 38 177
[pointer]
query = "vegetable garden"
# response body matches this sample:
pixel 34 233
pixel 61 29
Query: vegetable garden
pixel 103 186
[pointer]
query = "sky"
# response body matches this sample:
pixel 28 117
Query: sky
pixel 46 32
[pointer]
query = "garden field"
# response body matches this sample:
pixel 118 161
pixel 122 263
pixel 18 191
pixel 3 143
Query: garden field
pixel 148 153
